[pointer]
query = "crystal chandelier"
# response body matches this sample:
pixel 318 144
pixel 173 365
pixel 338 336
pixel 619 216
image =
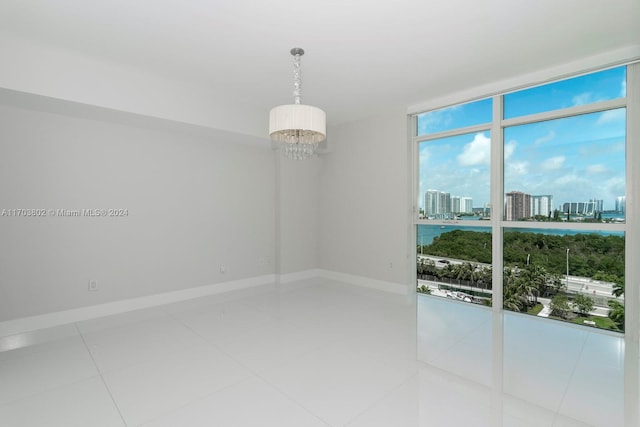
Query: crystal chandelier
pixel 298 128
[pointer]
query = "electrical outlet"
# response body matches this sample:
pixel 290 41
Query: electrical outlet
pixel 264 261
pixel 93 285
pixel 223 269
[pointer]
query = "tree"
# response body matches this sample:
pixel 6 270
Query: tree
pixel 485 278
pixel 560 306
pixel 424 290
pixel 512 300
pixel 557 283
pixel 616 313
pixel 618 289
pixel 525 289
pixel 583 304
pixel 538 278
pixel 466 271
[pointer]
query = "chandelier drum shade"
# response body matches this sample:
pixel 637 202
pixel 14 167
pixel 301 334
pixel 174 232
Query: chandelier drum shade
pixel 298 128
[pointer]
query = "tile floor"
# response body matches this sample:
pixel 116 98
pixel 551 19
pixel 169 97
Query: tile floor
pixel 319 353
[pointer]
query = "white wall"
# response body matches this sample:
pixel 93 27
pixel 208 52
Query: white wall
pixel 363 202
pixel 58 73
pixel 299 216
pixel 194 202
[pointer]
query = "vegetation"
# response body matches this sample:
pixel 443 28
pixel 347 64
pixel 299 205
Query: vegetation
pixel 560 306
pixel 616 313
pixel 535 309
pixel 472 246
pixel 600 322
pixel 424 290
pixel 583 304
pixel 471 273
pixel 535 265
pixel 591 255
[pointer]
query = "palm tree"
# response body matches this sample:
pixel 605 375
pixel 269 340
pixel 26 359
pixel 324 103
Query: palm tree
pixel 509 276
pixel 474 272
pixel 511 300
pixel 466 271
pixel 486 276
pixel 537 277
pixel 525 289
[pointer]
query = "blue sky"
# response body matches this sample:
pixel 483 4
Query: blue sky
pixel 573 159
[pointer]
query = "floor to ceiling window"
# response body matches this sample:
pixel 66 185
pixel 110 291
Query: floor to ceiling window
pixel 454 236
pixel 561 149
pixel 526 247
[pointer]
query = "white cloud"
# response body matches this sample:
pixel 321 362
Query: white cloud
pixel 435 120
pixel 623 89
pixel 597 169
pixel 553 163
pixel 582 99
pixel 548 137
pixel 517 168
pixel 425 155
pixel 477 152
pixel 509 149
pixel 615 186
pixel 567 179
pixel 612 116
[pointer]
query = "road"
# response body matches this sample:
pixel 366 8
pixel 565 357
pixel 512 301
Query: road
pixel 576 284
pixel 434 286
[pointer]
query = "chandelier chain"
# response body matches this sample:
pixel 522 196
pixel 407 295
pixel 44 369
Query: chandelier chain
pixel 297 78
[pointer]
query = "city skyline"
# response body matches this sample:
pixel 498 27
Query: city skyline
pixel 577 159
pixel 539 204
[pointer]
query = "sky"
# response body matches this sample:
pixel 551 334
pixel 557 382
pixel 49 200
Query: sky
pixel 575 159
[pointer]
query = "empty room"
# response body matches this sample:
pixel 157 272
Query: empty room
pixel 323 214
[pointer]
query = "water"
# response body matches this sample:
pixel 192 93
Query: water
pixel 426 233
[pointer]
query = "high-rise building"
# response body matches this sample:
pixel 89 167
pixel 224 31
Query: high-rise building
pixel 461 204
pixel 431 203
pixel 596 205
pixel 455 204
pixel 573 207
pixel 445 203
pixel 466 204
pixel 518 206
pixel 583 208
pixel 541 205
pixel 621 202
pixel 440 204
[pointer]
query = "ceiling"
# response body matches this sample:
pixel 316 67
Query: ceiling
pixel 362 57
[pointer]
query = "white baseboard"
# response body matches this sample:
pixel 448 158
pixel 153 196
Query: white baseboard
pixel 367 282
pixel 31 323
pixel 300 275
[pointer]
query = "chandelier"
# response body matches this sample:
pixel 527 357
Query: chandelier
pixel 298 128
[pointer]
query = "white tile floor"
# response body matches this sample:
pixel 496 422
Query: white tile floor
pixel 320 353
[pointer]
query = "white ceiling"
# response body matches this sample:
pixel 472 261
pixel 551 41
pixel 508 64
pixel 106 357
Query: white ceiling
pixel 362 57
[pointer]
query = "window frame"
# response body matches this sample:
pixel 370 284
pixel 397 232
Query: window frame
pixel 498 224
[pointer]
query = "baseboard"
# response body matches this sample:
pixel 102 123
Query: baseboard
pixel 31 323
pixel 300 275
pixel 367 282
